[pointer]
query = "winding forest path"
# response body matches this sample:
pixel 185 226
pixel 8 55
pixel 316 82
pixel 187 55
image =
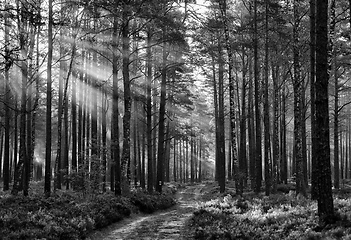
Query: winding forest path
pixel 167 224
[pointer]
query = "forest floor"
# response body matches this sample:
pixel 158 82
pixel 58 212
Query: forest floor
pixel 204 213
pixel 166 224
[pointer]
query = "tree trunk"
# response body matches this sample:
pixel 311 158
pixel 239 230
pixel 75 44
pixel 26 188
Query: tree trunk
pixel 104 138
pixel 161 121
pixel 95 153
pixel 267 164
pixel 74 122
pixel 180 161
pixel 314 183
pixel 215 103
pixel 127 102
pixel 251 131
pixel 258 165
pixel 242 149
pixel 143 155
pixel 333 68
pixel 239 175
pixel 276 144
pixel 6 169
pixel 21 166
pixel 150 167
pixel 221 131
pixel 325 197
pixel 115 113
pixel 175 160
pixel 298 105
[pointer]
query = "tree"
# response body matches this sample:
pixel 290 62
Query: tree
pixel 7 103
pixel 21 181
pixel 298 104
pixel 127 98
pixel 314 184
pixel 267 142
pixel 150 167
pixel 325 197
pixel 47 187
pixel 115 150
pixel 239 178
pixel 258 165
pixel 161 121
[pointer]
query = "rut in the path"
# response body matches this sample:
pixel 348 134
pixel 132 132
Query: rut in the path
pixel 162 225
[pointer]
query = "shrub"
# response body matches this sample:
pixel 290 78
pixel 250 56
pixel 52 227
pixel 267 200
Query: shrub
pixel 275 217
pixel 67 216
pixel 149 203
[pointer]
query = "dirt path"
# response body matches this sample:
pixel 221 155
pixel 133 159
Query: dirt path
pixel 166 224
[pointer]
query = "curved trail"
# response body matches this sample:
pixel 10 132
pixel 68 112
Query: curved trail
pixel 166 224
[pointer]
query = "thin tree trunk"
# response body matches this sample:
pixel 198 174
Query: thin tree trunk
pixel 243 119
pixel 258 165
pixel 333 68
pixel 221 131
pixel 175 160
pixel 74 122
pixel 180 161
pixel 143 155
pixel 240 175
pixel 215 103
pixel 251 131
pixel 104 138
pixel 314 183
pixel 276 144
pixel 267 164
pixel 21 166
pixel 150 166
pixel 6 169
pixel 115 114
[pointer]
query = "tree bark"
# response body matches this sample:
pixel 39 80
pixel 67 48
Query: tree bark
pixel 150 167
pixel 6 169
pixel 20 167
pixel 267 164
pixel 127 102
pixel 298 105
pixel 333 69
pixel 258 165
pixel 115 114
pixel 221 131
pixel 325 198
pixel 239 178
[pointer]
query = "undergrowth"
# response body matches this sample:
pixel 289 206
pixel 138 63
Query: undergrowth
pixel 279 216
pixel 68 216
